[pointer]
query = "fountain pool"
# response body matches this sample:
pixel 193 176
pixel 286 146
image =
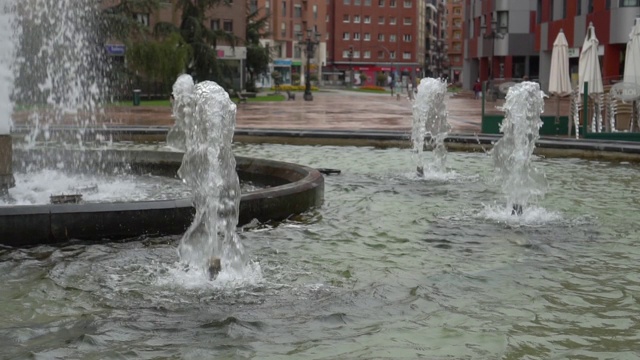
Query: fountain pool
pixel 391 266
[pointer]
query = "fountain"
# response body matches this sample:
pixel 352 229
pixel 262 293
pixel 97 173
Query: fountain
pixel 521 182
pixel 430 125
pixel 208 118
pixel 58 80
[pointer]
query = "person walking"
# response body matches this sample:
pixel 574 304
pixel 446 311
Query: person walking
pixel 477 89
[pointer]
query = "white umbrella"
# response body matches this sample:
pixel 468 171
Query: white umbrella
pixel 589 65
pixel 632 63
pixel 559 78
pixel 589 72
pixel 632 57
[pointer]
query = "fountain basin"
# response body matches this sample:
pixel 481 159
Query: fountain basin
pixel 289 189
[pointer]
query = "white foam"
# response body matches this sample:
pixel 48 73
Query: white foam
pixel 531 215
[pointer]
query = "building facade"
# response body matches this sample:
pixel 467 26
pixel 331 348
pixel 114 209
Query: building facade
pixel 455 53
pixel 436 46
pixel 289 23
pixel 370 41
pixel 612 20
pixel 499 40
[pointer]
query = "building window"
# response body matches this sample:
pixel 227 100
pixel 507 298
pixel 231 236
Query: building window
pixel 346 2
pixel 392 21
pixel 380 37
pixel 315 12
pixel 380 54
pixel 407 38
pixel 345 54
pixel 297 11
pixel 345 18
pixel 590 6
pixel 407 21
pixel 227 25
pixel 392 54
pixel 408 4
pixel 381 3
pixel 297 28
pixel 215 24
pixel 356 19
pixel 579 9
pixel 297 51
pixel 345 36
pixel 392 38
pixel 367 19
pixel 356 36
pixel 381 20
pixel 367 2
pixel 367 37
pixel 503 19
pixel 392 3
pixel 356 54
pixel 284 8
pixel 406 55
pixel 356 2
pixel 367 54
pixel 142 18
pixel 267 8
pixel 564 9
pixel 629 3
pixel 457 11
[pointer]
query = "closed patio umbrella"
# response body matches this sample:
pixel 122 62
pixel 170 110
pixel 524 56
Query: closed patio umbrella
pixel 559 77
pixel 589 70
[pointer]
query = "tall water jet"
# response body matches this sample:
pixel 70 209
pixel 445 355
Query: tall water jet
pixel 430 124
pixel 7 49
pixel 211 243
pixel 521 182
pixel 61 67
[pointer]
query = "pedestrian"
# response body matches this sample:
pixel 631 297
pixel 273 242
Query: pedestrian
pixel 477 89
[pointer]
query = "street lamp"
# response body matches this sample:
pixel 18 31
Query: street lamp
pixel 350 84
pixel 493 35
pixel 310 43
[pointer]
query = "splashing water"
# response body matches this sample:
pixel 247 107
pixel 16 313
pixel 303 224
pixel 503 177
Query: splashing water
pixel 430 125
pixel 7 44
pixel 183 100
pixel 209 168
pixel 521 182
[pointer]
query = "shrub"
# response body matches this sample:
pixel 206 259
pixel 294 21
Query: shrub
pixel 293 88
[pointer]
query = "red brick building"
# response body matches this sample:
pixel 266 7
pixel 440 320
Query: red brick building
pixel 371 38
pixel 455 53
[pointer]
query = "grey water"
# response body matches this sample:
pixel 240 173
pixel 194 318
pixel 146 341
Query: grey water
pixel 391 266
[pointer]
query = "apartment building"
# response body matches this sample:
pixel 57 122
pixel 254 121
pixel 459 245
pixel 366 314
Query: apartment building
pixel 373 39
pixel 499 40
pixel 290 22
pixel 612 20
pixel 455 53
pixel 436 46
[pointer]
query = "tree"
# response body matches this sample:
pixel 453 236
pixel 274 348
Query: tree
pixel 203 63
pixel 161 61
pixel 258 56
pixel 120 22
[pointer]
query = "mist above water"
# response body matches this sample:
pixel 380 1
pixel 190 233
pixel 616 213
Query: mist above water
pixel 8 33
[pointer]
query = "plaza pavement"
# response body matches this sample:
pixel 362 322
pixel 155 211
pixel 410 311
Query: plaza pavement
pixel 331 109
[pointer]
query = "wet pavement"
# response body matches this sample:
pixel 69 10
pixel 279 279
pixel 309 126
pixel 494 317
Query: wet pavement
pixel 329 110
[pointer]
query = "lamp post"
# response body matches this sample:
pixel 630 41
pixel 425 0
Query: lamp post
pixel 310 44
pixel 350 82
pixel 493 35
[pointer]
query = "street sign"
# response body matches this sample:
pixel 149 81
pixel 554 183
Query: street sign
pixel 115 49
